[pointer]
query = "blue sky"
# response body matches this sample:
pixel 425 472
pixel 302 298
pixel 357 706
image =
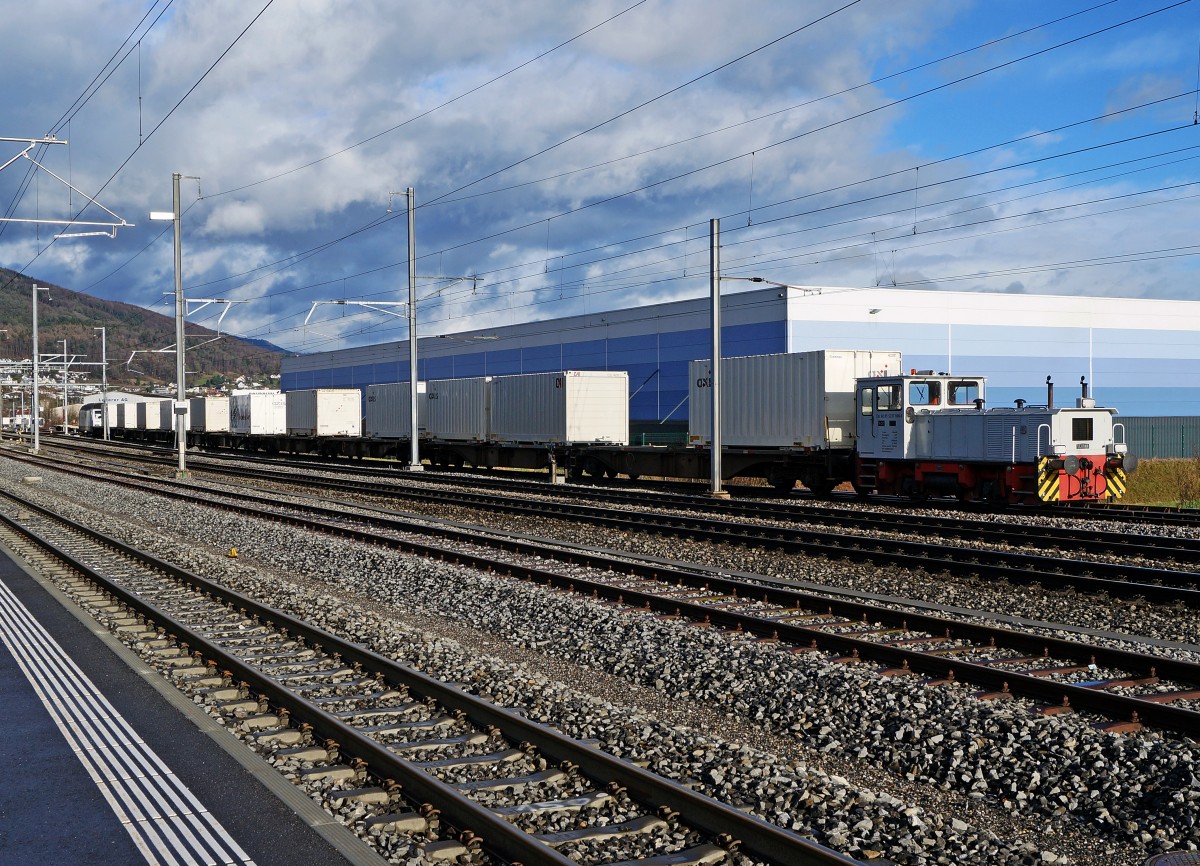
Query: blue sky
pixel 822 152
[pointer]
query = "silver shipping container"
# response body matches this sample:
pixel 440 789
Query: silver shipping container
pixel 150 415
pixel 802 400
pixel 588 406
pixel 209 414
pixel 258 413
pixel 389 408
pixel 457 410
pixel 324 412
pixel 166 415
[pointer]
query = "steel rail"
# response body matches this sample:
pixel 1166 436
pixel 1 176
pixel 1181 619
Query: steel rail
pixel 1117 579
pixel 1159 585
pixel 668 496
pixel 755 835
pixel 938 667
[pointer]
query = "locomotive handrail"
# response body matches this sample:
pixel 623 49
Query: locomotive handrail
pixel 1049 439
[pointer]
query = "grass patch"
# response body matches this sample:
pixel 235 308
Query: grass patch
pixel 1174 483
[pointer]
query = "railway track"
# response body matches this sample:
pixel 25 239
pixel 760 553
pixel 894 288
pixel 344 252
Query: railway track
pixel 760 501
pixel 424 760
pixel 1125 687
pixel 936 530
pixel 1117 579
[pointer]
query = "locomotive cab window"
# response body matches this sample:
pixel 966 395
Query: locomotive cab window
pixel 887 397
pixel 924 393
pixel 963 393
pixel 866 400
pixel 1081 429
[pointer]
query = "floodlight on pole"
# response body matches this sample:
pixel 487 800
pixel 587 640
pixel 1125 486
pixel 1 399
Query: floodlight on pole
pixel 180 312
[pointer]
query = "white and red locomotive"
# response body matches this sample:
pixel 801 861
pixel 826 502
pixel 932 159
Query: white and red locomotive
pixel 927 434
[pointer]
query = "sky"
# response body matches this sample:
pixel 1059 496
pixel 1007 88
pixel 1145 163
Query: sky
pixel 571 155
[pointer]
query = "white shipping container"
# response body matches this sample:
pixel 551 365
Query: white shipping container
pixel 457 410
pixel 258 413
pixel 166 416
pixel 569 407
pixel 126 416
pixel 324 412
pixel 801 400
pixel 150 415
pixel 209 414
pixel 389 408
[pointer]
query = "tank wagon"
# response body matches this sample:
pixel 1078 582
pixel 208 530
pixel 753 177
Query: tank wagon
pixel 822 418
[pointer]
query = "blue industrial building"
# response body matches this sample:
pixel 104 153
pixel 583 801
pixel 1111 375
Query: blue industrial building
pixel 1139 355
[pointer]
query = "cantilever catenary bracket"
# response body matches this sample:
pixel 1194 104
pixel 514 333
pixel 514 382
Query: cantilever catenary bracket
pixel 170 350
pixel 204 302
pixel 108 229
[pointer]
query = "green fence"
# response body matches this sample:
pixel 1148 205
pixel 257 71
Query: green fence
pixel 1162 436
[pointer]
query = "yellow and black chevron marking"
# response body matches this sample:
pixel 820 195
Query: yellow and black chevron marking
pixel 1116 480
pixel 1048 481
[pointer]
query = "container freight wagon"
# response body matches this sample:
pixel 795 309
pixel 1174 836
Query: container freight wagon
pixel 166 415
pixel 258 413
pixel 209 414
pixel 389 408
pixel 571 407
pixel 457 410
pixel 150 415
pixel 800 403
pixel 324 412
pixel 530 421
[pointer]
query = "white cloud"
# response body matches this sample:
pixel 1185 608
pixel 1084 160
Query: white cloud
pixel 313 77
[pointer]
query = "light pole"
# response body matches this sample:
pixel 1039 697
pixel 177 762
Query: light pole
pixel 181 386
pixel 104 378
pixel 66 379
pixel 36 410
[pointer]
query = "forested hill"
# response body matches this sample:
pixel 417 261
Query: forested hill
pixel 64 314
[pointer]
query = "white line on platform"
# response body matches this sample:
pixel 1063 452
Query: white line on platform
pixel 165 820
